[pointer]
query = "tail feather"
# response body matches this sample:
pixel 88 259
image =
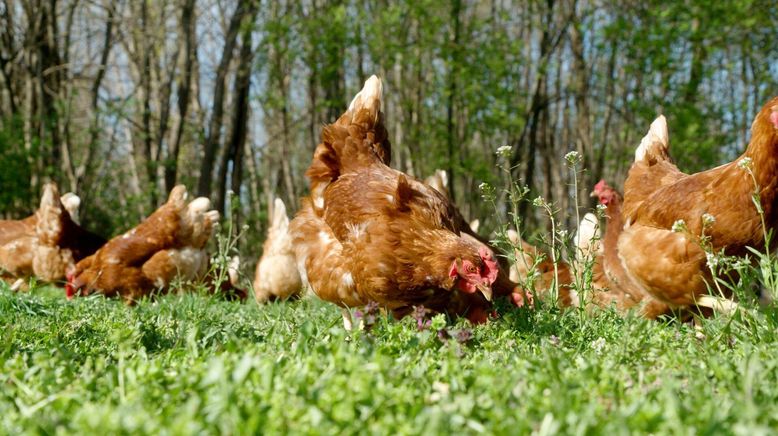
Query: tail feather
pixel 279 218
pixel 178 196
pixel 655 145
pixel 588 236
pixel 72 203
pixel 369 98
pixel 233 270
pixel 357 139
pixel 439 181
pixel 475 225
pixel 49 224
pixel 197 222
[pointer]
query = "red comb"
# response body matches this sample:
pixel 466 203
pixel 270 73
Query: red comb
pixel 70 290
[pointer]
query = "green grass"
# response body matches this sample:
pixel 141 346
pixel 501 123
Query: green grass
pixel 193 364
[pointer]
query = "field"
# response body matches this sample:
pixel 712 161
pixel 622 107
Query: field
pixel 194 364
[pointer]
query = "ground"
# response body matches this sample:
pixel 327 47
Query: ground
pixel 194 364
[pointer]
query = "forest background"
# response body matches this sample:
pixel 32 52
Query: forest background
pixel 119 101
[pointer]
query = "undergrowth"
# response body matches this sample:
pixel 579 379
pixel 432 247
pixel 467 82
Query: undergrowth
pixel 193 363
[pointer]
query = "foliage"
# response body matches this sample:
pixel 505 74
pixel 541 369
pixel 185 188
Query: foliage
pixel 461 79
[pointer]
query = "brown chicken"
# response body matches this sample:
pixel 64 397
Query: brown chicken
pixel 534 273
pixel 47 244
pixel 612 285
pixel 277 276
pixel 371 233
pixel 167 245
pixel 671 265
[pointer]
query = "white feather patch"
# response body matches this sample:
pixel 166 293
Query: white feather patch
pixel 348 280
pixel 656 133
pixel 356 230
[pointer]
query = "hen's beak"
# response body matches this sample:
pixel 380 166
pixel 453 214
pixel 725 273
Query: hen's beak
pixel 486 291
pixel 592 194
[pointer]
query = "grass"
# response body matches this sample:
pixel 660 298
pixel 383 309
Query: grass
pixel 193 364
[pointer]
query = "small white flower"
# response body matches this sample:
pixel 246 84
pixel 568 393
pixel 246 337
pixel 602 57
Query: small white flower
pixel 487 191
pixel 713 260
pixel 572 157
pixel 745 163
pixel 708 219
pixel 538 201
pixel 504 151
pixel 601 207
pixel 563 234
pixel 598 345
pixel 679 226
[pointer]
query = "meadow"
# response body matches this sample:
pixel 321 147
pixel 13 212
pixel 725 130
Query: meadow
pixel 193 364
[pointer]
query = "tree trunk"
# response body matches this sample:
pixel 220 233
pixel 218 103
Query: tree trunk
pixel 451 98
pixel 213 135
pixel 233 152
pixel 184 88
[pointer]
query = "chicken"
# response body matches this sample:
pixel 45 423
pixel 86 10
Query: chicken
pixel 167 245
pixel 534 271
pixel 47 244
pixel 371 233
pixel 277 276
pixel 610 282
pixel 672 265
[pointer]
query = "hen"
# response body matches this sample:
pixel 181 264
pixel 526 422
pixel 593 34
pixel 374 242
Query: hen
pixel 277 276
pixel 671 265
pixel 610 281
pixel 47 244
pixel 534 271
pixel 167 245
pixel 371 233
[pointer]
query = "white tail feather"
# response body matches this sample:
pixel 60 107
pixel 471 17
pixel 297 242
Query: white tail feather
pixel 72 203
pixel 49 197
pixel 233 270
pixel 369 97
pixel 439 181
pixel 513 236
pixel 280 219
pixel 657 134
pixel 587 237
pixel 199 205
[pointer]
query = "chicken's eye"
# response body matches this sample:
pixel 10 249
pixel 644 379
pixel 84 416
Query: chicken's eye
pixel 471 268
